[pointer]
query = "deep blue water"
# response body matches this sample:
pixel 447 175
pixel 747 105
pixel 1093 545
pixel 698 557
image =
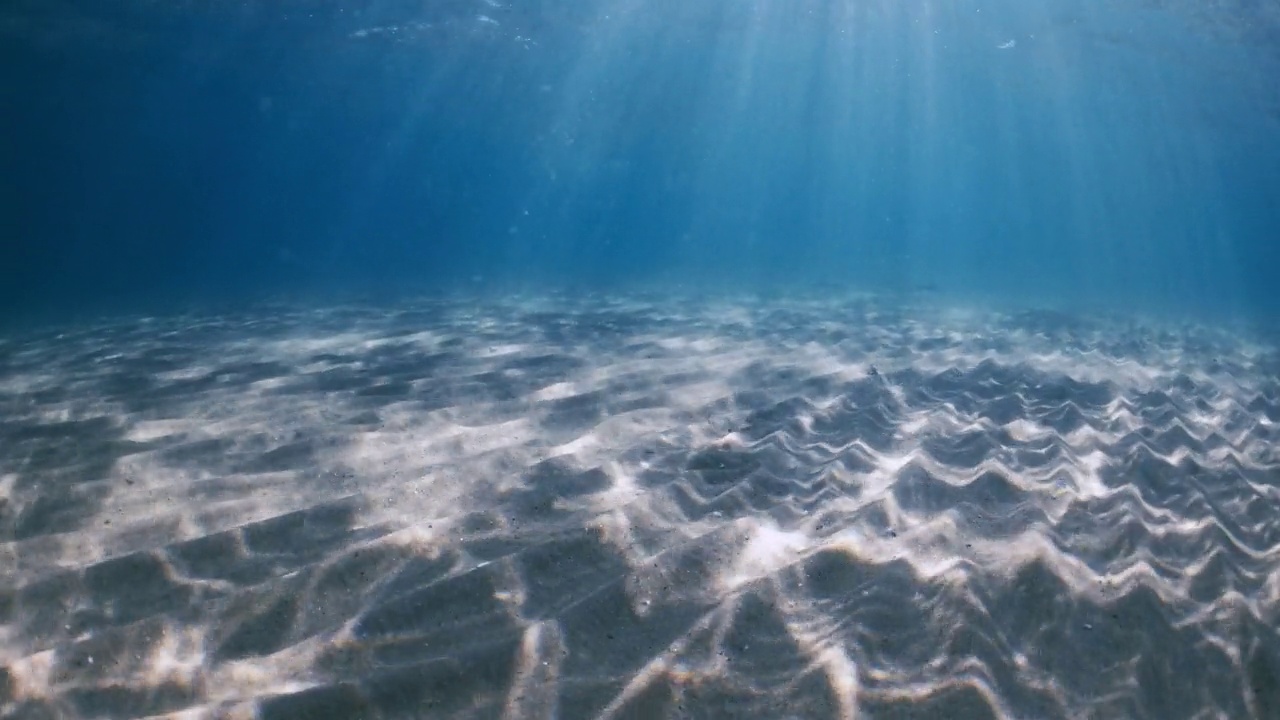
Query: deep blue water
pixel 606 359
pixel 1117 155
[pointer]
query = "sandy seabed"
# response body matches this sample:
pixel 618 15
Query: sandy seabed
pixel 637 508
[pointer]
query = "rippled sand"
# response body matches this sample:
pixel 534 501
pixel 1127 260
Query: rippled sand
pixel 639 508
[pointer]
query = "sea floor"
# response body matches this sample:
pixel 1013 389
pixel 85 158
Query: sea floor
pixel 638 508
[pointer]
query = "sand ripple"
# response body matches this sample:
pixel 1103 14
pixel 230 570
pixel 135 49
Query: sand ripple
pixel 631 508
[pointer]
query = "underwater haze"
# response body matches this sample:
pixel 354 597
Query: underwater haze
pixel 640 359
pixel 1065 153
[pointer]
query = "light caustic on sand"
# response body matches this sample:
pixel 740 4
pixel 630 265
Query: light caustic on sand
pixel 630 508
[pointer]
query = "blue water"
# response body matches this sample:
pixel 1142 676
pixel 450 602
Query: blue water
pixel 603 359
pixel 1113 155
